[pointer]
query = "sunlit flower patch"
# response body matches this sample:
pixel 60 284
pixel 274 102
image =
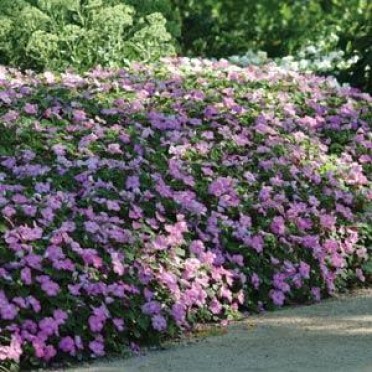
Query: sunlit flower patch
pixel 136 203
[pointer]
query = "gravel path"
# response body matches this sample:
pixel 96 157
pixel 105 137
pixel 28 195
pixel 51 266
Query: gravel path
pixel 335 335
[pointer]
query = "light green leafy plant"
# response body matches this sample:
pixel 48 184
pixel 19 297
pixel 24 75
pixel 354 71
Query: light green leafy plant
pixel 58 34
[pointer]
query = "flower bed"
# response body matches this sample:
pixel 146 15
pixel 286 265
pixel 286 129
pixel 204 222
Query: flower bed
pixel 136 203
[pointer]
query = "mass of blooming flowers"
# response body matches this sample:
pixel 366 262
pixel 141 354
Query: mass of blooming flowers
pixel 136 203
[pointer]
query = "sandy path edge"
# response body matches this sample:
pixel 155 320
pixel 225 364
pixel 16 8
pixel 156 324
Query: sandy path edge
pixel 334 335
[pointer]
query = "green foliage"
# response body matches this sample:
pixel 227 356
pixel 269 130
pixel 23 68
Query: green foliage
pixel 57 34
pixel 165 7
pixel 222 28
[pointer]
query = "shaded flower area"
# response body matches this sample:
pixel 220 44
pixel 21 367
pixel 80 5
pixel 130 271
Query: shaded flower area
pixel 135 203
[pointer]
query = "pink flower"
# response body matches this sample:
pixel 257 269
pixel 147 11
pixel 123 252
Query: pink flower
pixel 113 205
pixel 197 247
pixel 215 306
pixel 277 225
pixel 79 115
pixel 49 353
pixel 327 221
pixel 30 234
pixel 30 109
pixel 117 263
pixel 359 275
pixel 13 351
pixel 337 260
pixel 114 148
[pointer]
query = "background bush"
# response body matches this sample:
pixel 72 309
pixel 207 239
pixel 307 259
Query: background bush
pixel 221 28
pixel 56 34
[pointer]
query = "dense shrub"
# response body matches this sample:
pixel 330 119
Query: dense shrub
pixel 165 7
pixel 137 202
pixel 56 34
pixel 221 28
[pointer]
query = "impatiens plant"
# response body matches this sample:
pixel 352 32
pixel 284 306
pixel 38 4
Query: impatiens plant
pixel 57 34
pixel 135 203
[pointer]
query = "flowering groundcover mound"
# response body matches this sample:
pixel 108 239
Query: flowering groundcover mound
pixel 135 203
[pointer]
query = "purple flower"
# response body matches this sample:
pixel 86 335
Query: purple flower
pixel 256 242
pixel 220 186
pixel 119 324
pixel 304 270
pixel 315 291
pixel 277 225
pixel 50 288
pixel 151 308
pixel 49 326
pixel 8 311
pixel 132 182
pixel 30 234
pixel 67 345
pixel 159 323
pixel 96 323
pixel 35 304
pixel 255 280
pixel 277 297
pixel 26 276
pixel 97 347
pixel 179 312
pixel 60 316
